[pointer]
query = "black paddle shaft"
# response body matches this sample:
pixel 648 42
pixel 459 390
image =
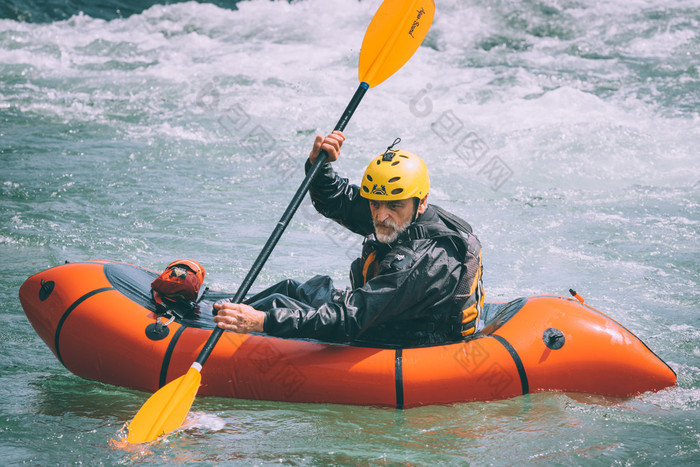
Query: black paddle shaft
pixel 283 223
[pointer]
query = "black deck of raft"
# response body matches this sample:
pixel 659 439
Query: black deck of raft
pixel 135 283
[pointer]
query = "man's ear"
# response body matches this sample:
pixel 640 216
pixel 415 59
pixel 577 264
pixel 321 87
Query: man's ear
pixel 422 205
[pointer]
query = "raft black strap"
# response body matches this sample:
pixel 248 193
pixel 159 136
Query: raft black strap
pixel 68 311
pixel 518 362
pixel 168 354
pixel 398 375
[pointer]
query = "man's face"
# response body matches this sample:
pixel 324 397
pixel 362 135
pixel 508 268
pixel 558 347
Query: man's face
pixel 390 218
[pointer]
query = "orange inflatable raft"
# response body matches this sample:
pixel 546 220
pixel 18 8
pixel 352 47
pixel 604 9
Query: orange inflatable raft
pixel 99 321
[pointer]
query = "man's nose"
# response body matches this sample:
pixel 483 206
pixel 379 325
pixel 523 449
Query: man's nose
pixel 381 213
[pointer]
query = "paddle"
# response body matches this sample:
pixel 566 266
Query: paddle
pixel 393 36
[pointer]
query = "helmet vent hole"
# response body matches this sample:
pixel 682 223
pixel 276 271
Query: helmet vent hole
pixel 404 156
pixel 369 178
pixel 365 189
pixel 396 191
pixel 395 162
pixel 395 179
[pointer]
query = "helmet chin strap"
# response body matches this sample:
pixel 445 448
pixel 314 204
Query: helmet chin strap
pixel 416 203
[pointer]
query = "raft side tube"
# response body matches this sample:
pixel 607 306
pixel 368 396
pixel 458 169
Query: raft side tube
pixel 479 369
pixel 598 355
pixel 268 368
pixel 105 340
pixel 94 315
pixel 49 297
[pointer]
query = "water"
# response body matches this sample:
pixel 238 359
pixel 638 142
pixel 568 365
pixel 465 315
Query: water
pixel 565 132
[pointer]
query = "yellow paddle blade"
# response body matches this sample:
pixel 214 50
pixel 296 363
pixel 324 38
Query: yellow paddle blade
pixel 393 36
pixel 166 409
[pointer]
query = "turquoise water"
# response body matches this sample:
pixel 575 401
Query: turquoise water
pixel 565 132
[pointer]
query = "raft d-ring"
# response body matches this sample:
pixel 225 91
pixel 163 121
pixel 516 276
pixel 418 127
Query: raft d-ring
pixel 158 330
pixel 172 318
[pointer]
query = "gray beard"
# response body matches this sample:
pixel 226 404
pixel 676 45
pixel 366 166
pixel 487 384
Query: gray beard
pixel 390 238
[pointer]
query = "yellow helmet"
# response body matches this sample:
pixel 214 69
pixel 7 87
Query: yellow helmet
pixel 395 175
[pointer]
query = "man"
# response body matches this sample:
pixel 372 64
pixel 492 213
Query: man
pixel 418 281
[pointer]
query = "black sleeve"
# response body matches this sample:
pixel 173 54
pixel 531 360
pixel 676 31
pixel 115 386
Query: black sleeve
pixel 409 284
pixel 337 199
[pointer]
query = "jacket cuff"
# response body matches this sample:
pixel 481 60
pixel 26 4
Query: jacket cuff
pixel 266 322
pixel 326 167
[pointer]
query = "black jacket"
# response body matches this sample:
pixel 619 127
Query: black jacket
pixel 411 300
